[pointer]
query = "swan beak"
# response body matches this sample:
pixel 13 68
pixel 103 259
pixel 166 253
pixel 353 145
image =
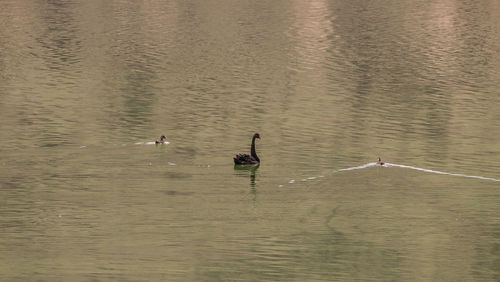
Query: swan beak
pixel 260 138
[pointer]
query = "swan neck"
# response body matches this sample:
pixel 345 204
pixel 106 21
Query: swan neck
pixel 252 149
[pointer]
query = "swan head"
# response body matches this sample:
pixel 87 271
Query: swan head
pixel 257 135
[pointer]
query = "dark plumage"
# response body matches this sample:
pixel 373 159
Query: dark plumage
pixel 162 140
pixel 243 159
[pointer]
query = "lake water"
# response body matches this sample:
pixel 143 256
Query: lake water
pixel 329 84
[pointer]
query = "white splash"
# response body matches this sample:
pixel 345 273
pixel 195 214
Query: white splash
pixel 150 143
pixel 358 167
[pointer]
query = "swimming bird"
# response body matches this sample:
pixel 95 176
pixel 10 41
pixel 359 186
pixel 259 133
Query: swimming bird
pixel 244 159
pixel 380 162
pixel 162 140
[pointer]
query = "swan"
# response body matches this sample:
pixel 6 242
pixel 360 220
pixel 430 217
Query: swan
pixel 244 159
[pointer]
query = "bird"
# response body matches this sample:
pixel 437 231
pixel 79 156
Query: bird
pixel 245 159
pixel 162 140
pixel 380 162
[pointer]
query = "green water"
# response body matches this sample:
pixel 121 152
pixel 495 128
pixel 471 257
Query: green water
pixel 329 85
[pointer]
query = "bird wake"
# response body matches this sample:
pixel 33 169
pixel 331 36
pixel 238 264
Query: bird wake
pixel 374 164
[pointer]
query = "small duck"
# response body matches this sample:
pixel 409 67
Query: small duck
pixel 380 162
pixel 162 140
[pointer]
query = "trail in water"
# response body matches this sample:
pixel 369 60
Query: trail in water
pixel 441 172
pixel 359 167
pixel 368 165
pixel 152 143
pixel 137 143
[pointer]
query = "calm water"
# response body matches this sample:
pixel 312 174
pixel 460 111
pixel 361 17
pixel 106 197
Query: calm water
pixel 330 85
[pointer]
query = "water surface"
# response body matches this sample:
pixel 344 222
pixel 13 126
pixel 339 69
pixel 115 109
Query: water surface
pixel 85 87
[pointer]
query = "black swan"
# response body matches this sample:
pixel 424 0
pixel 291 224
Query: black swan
pixel 244 159
pixel 162 140
pixel 380 162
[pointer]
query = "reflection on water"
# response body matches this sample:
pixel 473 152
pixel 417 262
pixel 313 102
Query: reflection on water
pixel 86 88
pixel 247 170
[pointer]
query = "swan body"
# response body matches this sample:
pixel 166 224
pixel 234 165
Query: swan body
pixel 245 159
pixel 242 159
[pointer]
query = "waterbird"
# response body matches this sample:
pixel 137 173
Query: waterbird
pixel 380 162
pixel 244 159
pixel 162 140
